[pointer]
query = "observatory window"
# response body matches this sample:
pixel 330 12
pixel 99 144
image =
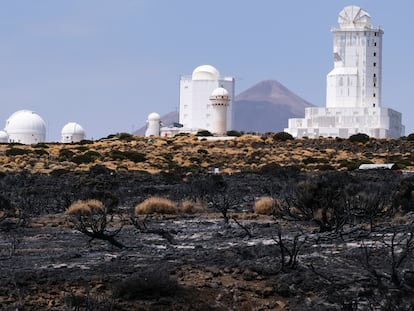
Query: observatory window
pixel 375 43
pixel 375 85
pixel 374 95
pixel 375 54
pixel 375 34
pixel 375 75
pixel 375 64
pixel 373 105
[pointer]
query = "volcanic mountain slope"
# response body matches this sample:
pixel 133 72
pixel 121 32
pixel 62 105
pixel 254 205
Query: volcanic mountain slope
pixel 265 107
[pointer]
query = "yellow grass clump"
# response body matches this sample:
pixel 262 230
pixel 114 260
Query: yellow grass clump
pixel 264 206
pixel 191 207
pixel 87 207
pixel 156 205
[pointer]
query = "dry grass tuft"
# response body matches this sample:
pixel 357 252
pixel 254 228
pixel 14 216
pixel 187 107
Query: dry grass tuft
pixel 191 207
pixel 264 206
pixel 87 207
pixel 156 205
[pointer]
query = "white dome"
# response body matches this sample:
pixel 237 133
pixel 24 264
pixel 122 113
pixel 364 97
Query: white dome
pixel 352 17
pixel 220 92
pixel 73 128
pixel 72 132
pixel 4 138
pixel 26 127
pixel 205 72
pixel 154 117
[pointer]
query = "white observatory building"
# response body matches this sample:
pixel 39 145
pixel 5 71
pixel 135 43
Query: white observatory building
pixel 4 138
pixel 25 127
pixel 219 100
pixel 196 111
pixel 353 87
pixel 153 125
pixel 72 132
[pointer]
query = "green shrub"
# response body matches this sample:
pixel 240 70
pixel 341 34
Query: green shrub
pixel 65 154
pixel 17 151
pixel 234 133
pixel 125 136
pixel 204 133
pixel 359 138
pixel 135 156
pixel 410 137
pixel 202 151
pixel 41 152
pixel 83 158
pixel 282 136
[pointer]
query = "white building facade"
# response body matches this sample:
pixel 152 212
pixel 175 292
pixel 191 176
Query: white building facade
pixel 196 112
pixel 353 87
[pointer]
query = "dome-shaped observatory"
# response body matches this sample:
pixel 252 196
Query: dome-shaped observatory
pixel 25 127
pixel 72 132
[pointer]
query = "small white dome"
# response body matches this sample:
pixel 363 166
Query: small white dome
pixel 72 132
pixel 154 117
pixel 73 128
pixel 220 92
pixel 4 138
pixel 26 127
pixel 205 72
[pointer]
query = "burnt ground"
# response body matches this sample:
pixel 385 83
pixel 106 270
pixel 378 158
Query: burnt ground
pixel 268 264
pixel 208 266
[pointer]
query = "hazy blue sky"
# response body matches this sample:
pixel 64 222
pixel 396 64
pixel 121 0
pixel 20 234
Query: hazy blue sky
pixel 107 64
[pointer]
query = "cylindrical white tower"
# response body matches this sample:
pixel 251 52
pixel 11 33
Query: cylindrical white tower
pixel 72 133
pixel 153 125
pixel 219 102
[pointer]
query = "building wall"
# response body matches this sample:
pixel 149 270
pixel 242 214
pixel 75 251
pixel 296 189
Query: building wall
pixel 355 80
pixel 195 106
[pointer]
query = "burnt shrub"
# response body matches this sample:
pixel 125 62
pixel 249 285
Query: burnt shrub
pixel 359 138
pixel 149 283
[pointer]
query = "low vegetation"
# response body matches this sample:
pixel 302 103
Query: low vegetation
pixel 190 154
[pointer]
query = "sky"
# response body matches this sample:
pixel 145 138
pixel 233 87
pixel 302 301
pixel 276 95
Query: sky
pixel 107 64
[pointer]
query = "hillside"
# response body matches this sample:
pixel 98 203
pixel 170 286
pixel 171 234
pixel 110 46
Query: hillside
pixel 188 154
pixel 266 107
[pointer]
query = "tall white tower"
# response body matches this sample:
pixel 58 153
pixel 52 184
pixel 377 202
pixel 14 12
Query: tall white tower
pixel 353 87
pixel 153 125
pixel 195 107
pixel 220 103
pixel 355 80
